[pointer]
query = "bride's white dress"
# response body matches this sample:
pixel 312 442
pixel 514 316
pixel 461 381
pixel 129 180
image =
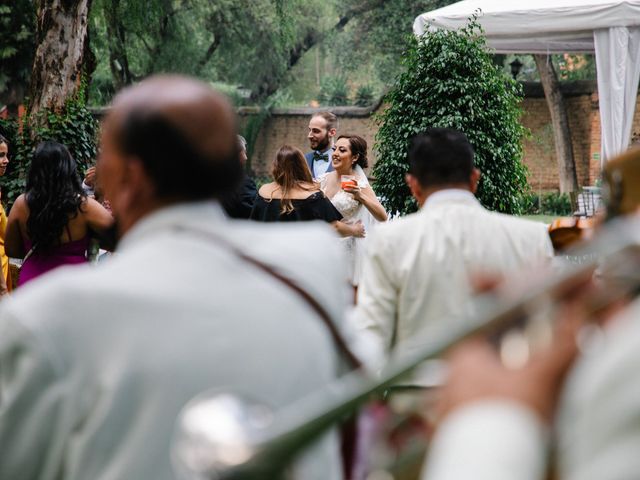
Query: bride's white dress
pixel 352 211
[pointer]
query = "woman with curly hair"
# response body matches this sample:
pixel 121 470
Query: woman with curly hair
pixel 50 224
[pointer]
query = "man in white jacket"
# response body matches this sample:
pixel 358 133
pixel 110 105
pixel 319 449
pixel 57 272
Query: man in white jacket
pixel 417 276
pixel 96 363
pixel 496 423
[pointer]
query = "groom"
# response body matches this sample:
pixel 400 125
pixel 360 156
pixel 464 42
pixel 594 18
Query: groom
pixel 322 130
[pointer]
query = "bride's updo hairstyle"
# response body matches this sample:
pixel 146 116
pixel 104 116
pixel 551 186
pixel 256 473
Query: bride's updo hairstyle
pixel 358 146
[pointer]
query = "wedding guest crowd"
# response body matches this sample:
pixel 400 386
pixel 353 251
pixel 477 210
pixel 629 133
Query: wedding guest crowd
pixel 98 361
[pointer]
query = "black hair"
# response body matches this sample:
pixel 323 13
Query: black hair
pixel 177 168
pixel 440 156
pixel 54 194
pixel 3 139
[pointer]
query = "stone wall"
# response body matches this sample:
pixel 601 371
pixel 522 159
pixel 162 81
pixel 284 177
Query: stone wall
pixel 289 126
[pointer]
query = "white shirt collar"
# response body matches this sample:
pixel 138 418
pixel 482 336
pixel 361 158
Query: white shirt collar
pixel 450 195
pixel 199 214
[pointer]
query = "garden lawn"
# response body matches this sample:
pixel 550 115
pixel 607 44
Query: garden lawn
pixel 542 218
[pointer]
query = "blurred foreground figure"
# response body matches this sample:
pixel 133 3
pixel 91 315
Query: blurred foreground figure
pixel 96 363
pixel 496 422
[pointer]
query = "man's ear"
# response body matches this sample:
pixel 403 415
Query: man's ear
pixel 414 186
pixel 138 189
pixel 474 180
pixel 332 132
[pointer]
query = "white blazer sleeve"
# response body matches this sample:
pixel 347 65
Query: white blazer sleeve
pixel 492 440
pixel 376 311
pixel 30 404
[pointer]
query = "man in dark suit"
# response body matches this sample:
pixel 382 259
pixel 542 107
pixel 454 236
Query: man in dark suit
pixel 239 203
pixel 323 127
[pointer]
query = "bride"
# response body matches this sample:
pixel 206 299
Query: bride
pixel 353 197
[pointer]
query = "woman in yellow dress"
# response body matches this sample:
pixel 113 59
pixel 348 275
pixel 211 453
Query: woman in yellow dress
pixel 5 278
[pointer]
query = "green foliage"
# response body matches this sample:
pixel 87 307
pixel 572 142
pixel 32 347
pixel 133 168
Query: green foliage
pixel 238 43
pixel 364 95
pixel 252 130
pixel 74 126
pixel 376 39
pixel 529 204
pixel 334 91
pixel 552 203
pixel 567 66
pixel 17 23
pixel 556 204
pixel 450 81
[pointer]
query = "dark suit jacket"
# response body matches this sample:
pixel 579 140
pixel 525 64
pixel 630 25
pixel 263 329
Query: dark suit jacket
pixel 239 203
pixel 309 158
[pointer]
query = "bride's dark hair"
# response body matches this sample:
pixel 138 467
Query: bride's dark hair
pixel 358 146
pixel 54 194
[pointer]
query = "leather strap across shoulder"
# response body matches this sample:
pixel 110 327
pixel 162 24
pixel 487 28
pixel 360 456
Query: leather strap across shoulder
pixel 353 360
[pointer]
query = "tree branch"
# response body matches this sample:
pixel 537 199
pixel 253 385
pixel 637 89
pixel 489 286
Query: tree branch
pixel 270 85
pixel 210 51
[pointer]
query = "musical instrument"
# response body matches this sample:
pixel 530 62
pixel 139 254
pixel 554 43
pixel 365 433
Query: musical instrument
pixel 567 231
pixel 224 437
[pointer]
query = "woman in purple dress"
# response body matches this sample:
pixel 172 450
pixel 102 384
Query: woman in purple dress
pixel 50 225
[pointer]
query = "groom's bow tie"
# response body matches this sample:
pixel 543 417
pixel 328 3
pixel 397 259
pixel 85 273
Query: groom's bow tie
pixel 320 156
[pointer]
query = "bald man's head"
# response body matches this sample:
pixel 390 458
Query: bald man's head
pixel 183 133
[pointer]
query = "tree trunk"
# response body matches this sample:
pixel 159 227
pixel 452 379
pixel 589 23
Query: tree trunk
pixel 560 123
pixel 61 53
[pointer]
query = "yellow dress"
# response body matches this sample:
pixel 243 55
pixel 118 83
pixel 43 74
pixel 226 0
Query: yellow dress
pixel 3 255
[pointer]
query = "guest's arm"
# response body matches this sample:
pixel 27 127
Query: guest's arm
pixel 349 229
pixel 98 218
pixel 376 311
pixel 13 241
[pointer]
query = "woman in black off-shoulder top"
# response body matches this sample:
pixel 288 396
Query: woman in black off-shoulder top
pixel 293 195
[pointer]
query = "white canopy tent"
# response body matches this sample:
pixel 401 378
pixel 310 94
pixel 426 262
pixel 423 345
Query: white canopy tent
pixel 610 28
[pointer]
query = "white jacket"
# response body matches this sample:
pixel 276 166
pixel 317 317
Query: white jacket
pixel 96 362
pixel 416 274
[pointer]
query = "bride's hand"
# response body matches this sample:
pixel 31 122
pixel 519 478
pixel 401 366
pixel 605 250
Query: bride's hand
pixel 354 190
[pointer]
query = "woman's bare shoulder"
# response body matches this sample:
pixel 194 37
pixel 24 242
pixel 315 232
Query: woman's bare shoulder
pixel 20 207
pixel 266 190
pixel 304 190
